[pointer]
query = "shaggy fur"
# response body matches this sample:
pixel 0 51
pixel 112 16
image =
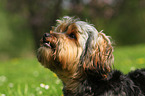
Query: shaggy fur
pixel 82 58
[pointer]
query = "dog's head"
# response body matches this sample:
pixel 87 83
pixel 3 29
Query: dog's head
pixel 72 44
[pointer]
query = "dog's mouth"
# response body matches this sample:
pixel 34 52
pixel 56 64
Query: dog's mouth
pixel 48 41
pixel 48 44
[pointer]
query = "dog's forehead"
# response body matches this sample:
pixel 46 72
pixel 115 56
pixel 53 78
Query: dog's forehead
pixel 85 30
pixel 83 27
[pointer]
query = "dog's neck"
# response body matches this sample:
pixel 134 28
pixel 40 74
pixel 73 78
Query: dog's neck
pixel 65 77
pixel 68 79
pixel 72 81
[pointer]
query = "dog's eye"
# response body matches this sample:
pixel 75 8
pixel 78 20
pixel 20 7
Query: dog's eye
pixel 72 35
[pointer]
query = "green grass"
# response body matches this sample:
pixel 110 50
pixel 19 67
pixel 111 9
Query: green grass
pixel 26 77
pixel 129 58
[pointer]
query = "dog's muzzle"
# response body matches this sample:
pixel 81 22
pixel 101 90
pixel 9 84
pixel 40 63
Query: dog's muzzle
pixel 48 41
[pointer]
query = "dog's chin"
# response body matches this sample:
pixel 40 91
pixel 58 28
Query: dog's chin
pixel 45 56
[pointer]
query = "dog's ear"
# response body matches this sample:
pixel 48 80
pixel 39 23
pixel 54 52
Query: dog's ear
pixel 98 56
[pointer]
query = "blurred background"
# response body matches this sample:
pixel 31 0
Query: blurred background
pixel 23 22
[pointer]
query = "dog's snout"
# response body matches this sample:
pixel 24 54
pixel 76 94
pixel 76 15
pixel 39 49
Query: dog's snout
pixel 45 35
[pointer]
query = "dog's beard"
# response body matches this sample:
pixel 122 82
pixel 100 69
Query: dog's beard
pixel 45 57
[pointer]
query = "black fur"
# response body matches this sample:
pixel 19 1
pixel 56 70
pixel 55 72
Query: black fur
pixel 116 84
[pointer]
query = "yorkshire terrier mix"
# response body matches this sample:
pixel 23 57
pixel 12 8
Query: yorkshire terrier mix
pixel 82 58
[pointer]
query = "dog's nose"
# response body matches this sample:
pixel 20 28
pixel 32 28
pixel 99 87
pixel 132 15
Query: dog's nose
pixel 45 35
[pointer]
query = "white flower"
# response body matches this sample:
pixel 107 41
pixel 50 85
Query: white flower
pixel 40 92
pixel 3 78
pixel 3 95
pixel 11 85
pixel 132 68
pixel 42 85
pixel 46 86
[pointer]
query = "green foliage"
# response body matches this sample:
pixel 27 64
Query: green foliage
pixel 26 77
pixel 15 36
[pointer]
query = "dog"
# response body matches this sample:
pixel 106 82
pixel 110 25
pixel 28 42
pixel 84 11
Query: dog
pixel 83 58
